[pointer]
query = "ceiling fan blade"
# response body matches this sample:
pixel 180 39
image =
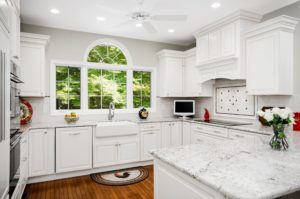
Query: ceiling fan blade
pixel 120 25
pixel 149 27
pixel 110 10
pixel 169 17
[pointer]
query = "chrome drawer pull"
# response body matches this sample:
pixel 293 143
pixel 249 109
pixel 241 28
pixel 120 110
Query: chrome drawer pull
pixel 74 133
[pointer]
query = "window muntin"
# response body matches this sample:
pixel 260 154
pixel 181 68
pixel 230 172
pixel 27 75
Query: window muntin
pixel 108 54
pixel 141 89
pixel 105 86
pixel 68 87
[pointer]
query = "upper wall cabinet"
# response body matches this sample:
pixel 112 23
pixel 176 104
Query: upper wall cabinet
pixel 178 76
pixel 5 11
pixel 170 73
pixel 33 64
pixel 15 32
pixel 219 46
pixel 270 57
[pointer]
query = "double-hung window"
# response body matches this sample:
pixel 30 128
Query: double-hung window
pixel 103 78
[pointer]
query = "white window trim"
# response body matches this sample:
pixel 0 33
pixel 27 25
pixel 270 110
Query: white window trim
pixel 109 42
pixel 84 89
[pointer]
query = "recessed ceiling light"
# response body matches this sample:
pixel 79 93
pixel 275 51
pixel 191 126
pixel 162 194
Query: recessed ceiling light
pixel 171 30
pixel 139 25
pixel 54 11
pixel 216 5
pixel 101 18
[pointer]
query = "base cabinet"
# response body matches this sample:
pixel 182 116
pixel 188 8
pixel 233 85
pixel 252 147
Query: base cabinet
pixel 150 140
pixel 171 134
pixel 186 133
pixel 73 149
pixel 41 152
pixel 115 150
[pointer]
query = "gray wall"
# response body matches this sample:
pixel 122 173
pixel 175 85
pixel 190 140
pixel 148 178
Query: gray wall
pixel 71 45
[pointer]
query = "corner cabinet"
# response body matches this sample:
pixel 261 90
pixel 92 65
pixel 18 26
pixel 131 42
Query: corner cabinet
pixel 73 149
pixel 41 152
pixel 220 48
pixel 170 73
pixel 33 47
pixel 178 75
pixel 270 57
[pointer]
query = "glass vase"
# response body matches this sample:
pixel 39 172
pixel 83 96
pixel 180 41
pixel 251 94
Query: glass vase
pixel 278 141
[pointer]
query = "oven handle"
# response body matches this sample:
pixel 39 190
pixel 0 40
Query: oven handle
pixel 12 145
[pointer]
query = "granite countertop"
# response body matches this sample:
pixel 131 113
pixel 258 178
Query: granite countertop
pixel 254 128
pixel 240 170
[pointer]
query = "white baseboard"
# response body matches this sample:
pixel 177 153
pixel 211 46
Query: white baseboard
pixel 58 176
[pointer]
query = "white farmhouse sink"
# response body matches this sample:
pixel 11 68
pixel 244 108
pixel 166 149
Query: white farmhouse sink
pixel 116 128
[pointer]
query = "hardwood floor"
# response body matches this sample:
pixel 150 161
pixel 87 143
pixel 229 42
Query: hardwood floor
pixel 84 187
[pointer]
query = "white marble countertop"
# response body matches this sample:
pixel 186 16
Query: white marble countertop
pixel 240 170
pixel 254 128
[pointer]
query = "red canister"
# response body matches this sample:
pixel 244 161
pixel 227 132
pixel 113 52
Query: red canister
pixel 297 121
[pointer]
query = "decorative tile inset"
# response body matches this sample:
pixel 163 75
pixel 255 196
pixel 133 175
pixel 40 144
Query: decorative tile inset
pixel 235 101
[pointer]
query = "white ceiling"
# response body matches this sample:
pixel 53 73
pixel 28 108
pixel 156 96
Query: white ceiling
pixel 81 15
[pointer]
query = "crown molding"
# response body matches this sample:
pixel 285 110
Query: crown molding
pixel 238 15
pixel 35 38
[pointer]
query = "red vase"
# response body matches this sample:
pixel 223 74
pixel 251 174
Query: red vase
pixel 206 115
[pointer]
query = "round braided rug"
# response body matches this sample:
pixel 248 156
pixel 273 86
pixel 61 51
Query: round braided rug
pixel 121 177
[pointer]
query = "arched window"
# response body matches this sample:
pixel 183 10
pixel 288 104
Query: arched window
pixel 108 51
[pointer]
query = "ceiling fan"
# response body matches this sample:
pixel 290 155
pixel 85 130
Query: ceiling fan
pixel 143 19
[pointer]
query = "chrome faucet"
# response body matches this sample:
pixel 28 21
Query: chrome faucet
pixel 111 112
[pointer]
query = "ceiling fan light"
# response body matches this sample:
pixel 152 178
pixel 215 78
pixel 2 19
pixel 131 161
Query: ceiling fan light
pixel 216 5
pixel 138 25
pixel 54 11
pixel 101 18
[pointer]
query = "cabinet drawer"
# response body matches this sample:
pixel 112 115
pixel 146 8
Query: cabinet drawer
pixel 150 126
pixel 211 130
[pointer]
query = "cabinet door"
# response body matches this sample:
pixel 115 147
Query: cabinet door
pixel 15 35
pixel 105 152
pixel 32 59
pixel 73 149
pixel 176 134
pixel 191 86
pixel 149 141
pixel 174 72
pixel 165 134
pixel 214 44
pixel 128 150
pixel 261 64
pixel 41 152
pixel 5 14
pixel 202 48
pixel 186 133
pixel 228 40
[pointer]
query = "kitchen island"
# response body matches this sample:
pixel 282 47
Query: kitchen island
pixel 233 169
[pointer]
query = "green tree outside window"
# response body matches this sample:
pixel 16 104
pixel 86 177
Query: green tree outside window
pixel 67 87
pixel 141 89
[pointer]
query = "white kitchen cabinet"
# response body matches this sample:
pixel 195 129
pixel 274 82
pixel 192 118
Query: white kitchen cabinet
pixel 41 152
pixel 115 150
pixel 191 84
pixel 150 137
pixel 178 75
pixel 270 57
pixel 33 48
pixel 204 133
pixel 170 73
pixel 105 153
pixel 186 133
pixel 73 149
pixel 219 46
pixel 128 150
pixel 171 134
pixel 5 14
pixel 15 36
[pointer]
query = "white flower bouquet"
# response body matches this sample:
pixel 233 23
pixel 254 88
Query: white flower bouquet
pixel 278 119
